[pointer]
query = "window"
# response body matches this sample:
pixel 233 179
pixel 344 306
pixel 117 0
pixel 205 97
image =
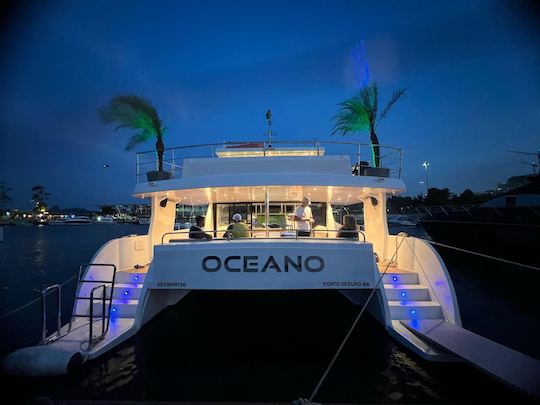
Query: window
pixel 279 216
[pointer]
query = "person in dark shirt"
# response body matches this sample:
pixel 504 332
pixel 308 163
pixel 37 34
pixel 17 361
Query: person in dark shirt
pixel 349 228
pixel 196 231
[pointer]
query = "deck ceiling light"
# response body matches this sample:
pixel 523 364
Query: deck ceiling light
pixel 260 152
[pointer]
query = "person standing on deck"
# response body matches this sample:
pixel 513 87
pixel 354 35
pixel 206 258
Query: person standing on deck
pixel 303 217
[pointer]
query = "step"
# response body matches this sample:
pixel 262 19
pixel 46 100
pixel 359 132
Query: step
pixel 126 291
pixel 124 277
pixel 413 292
pixel 415 310
pixel 121 291
pixel 401 278
pixel 120 308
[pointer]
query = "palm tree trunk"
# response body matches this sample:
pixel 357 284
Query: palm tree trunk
pixel 375 148
pixel 160 149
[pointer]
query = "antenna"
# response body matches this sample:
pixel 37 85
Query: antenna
pixel 269 132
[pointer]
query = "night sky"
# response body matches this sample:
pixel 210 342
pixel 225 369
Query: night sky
pixel 212 69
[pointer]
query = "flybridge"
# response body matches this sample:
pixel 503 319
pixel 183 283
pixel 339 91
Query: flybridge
pixel 360 156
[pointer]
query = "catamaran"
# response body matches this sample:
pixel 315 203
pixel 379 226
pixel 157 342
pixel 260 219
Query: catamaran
pixel 400 279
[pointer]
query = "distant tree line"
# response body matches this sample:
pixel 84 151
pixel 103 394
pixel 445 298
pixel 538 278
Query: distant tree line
pixel 435 196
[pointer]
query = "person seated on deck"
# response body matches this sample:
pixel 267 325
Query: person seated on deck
pixel 238 229
pixel 349 228
pixel 320 231
pixel 196 231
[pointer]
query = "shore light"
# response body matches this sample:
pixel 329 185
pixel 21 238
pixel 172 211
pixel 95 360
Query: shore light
pixel 425 165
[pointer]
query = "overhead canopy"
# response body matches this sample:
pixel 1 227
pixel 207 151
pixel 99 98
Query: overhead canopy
pixel 338 195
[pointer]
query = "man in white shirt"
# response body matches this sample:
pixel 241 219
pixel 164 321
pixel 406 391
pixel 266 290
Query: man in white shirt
pixel 304 217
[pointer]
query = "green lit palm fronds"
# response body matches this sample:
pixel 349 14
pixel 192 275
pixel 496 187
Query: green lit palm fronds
pixel 360 114
pixel 395 97
pixel 133 112
pixel 357 113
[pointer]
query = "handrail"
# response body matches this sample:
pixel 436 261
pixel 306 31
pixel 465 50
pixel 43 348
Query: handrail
pixel 391 157
pixel 44 293
pixel 295 236
pixel 79 280
pixel 91 339
pixel 265 144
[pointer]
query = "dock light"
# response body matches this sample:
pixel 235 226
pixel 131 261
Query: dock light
pixel 394 278
pixel 403 294
pixel 126 292
pixel 413 311
pixel 114 309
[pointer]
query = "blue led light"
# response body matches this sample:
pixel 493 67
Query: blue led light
pixel 136 278
pixel 126 292
pixel 394 278
pixel 413 311
pixel 403 294
pixel 114 309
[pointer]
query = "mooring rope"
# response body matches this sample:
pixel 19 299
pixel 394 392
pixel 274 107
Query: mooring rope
pixel 33 301
pixel 354 324
pixel 482 255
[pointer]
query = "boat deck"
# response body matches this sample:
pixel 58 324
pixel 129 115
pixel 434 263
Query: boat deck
pixel 501 362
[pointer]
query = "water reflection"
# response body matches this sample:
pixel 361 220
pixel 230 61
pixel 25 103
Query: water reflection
pixel 112 372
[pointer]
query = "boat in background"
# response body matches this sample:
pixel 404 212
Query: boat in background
pixel 401 220
pixel 143 220
pixel 506 226
pixel 105 220
pixel 77 220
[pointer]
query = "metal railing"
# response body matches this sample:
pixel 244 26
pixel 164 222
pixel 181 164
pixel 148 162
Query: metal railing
pixel 445 209
pixel 317 234
pixel 360 154
pixel 46 291
pixel 107 315
pixel 91 340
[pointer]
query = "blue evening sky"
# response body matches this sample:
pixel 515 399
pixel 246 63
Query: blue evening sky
pixel 213 68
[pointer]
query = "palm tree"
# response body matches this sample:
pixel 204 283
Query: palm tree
pixel 359 113
pixel 134 112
